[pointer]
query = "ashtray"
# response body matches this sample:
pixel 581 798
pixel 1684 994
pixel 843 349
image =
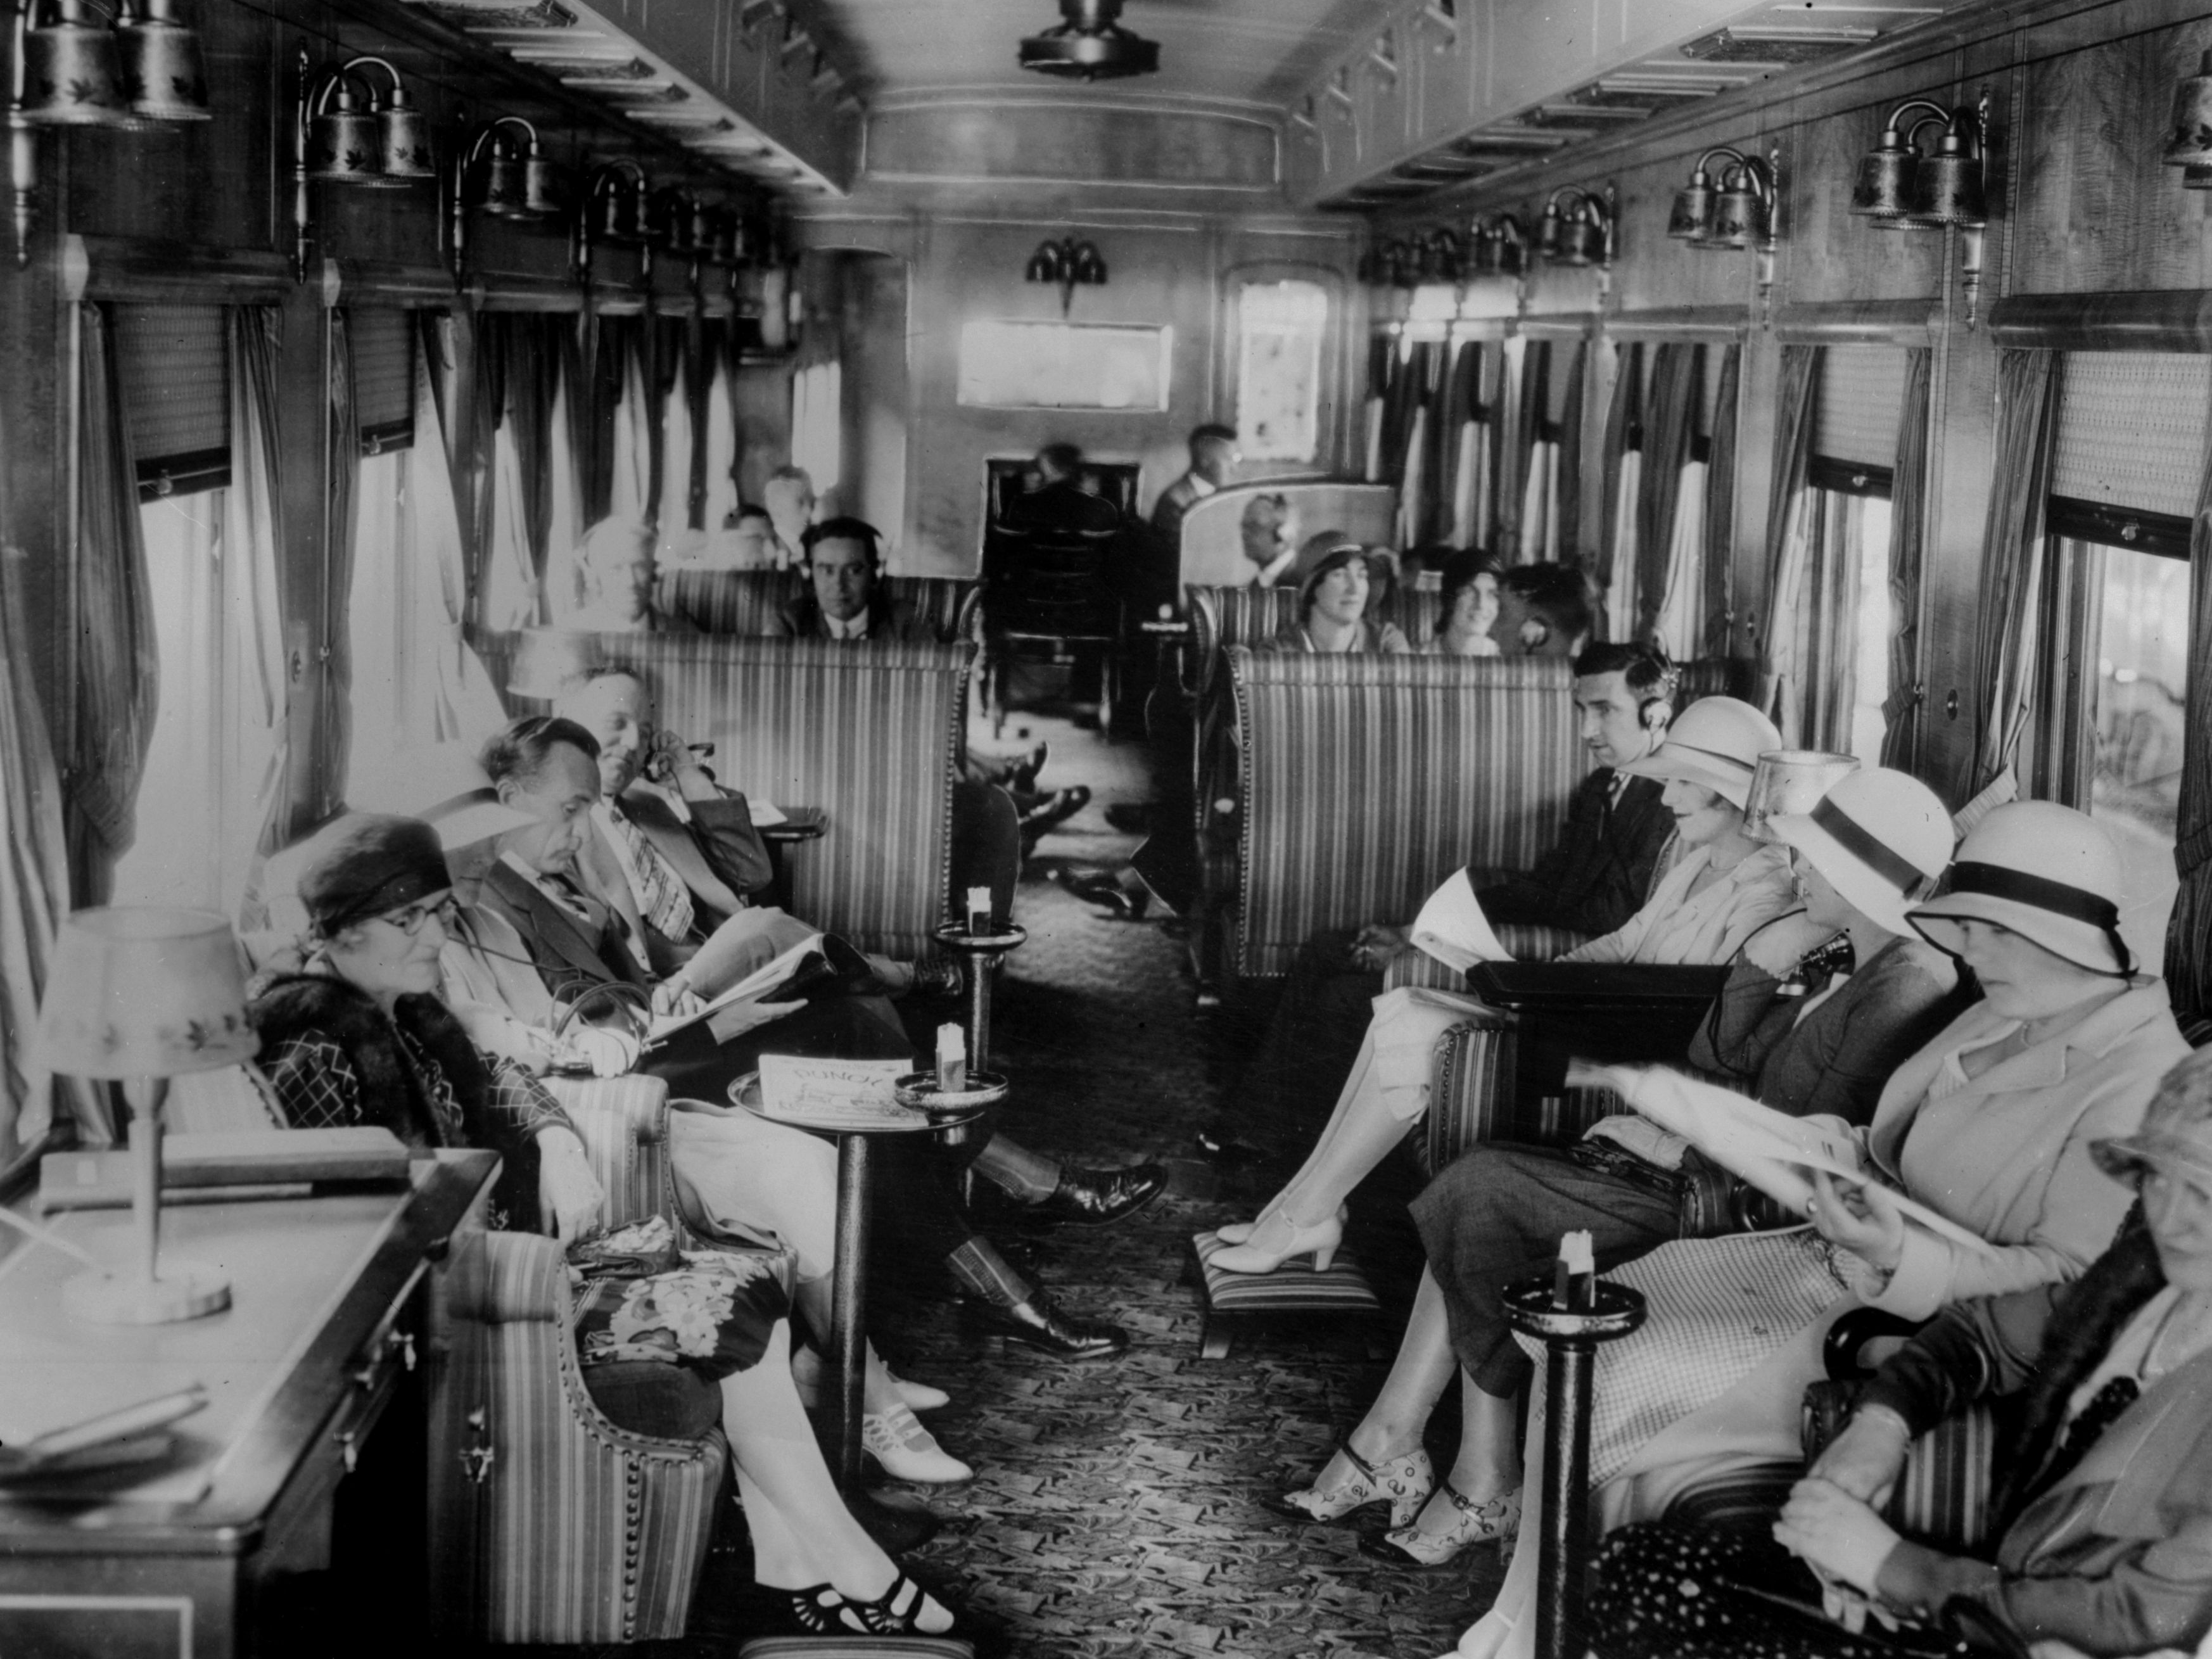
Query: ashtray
pixel 919 1089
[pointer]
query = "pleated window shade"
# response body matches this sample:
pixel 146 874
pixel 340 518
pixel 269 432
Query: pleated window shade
pixel 2132 430
pixel 1860 406
pixel 383 341
pixel 176 396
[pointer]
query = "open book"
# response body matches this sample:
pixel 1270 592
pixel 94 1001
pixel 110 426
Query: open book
pixel 753 987
pixel 1771 1149
pixel 1452 928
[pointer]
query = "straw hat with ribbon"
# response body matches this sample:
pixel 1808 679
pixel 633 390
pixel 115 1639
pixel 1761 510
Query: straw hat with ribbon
pixel 2043 871
pixel 1879 837
pixel 1716 742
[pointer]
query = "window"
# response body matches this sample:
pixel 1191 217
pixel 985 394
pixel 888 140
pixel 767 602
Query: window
pixel 204 794
pixel 1281 328
pixel 817 421
pixel 2113 611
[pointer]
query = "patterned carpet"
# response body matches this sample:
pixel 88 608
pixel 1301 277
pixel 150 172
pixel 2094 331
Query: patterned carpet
pixel 1119 1506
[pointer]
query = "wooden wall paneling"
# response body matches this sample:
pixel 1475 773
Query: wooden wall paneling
pixel 1834 255
pixel 33 315
pixel 1654 270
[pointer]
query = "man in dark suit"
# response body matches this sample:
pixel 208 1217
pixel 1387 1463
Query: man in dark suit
pixel 1213 460
pixel 1591 882
pixel 845 597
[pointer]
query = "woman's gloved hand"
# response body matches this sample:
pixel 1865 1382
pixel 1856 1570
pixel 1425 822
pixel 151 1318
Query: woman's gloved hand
pixel 1835 1533
pixel 568 1194
pixel 1864 1220
pixel 1865 1459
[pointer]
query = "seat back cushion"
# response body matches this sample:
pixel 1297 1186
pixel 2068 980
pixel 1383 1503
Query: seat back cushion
pixel 729 601
pixel 1367 780
pixel 869 736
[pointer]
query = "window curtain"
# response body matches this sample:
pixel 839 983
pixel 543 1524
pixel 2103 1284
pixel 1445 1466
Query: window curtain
pixel 1416 461
pixel 1380 356
pixel 2189 934
pixel 253 421
pixel 630 490
pixel 1720 509
pixel 1669 428
pixel 253 549
pixel 118 667
pixel 1788 539
pixel 667 484
pixel 1507 463
pixel 1680 609
pixel 1908 500
pixel 2012 549
pixel 467 706
pixel 1622 460
pixel 1567 459
pixel 1463 408
pixel 721 445
pixel 1540 450
pixel 34 896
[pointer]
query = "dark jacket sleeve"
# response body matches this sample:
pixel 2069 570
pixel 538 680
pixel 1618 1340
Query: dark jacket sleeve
pixel 1970 1351
pixel 723 832
pixel 1747 1021
pixel 1598 875
pixel 795 620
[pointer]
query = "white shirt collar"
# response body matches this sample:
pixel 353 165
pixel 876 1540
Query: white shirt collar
pixel 1199 488
pixel 566 902
pixel 847 628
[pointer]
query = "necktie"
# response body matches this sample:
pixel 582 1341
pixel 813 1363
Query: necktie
pixel 660 892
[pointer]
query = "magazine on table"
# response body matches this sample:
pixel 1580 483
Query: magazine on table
pixel 835 1094
pixel 1452 928
pixel 1770 1150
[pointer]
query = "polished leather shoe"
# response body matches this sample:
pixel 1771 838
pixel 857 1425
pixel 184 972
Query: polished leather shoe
pixel 1131 817
pixel 1054 809
pixel 1098 1198
pixel 1040 1323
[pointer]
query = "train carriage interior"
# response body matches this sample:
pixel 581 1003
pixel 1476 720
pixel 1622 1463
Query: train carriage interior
pixel 1354 829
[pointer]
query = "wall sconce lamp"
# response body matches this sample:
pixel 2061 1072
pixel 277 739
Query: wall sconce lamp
pixel 1577 229
pixel 1394 264
pixel 612 210
pixel 1900 188
pixel 505 172
pixel 72 70
pixel 1740 214
pixel 1069 263
pixel 1439 257
pixel 345 131
pixel 2189 143
pixel 1500 245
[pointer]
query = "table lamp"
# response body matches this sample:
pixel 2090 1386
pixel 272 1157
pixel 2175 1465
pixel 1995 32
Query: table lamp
pixel 142 994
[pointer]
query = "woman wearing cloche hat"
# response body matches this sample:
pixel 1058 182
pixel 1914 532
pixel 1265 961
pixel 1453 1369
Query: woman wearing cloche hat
pixel 1991 1125
pixel 1339 582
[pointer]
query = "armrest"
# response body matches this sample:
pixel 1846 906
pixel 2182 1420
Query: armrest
pixel 623 1122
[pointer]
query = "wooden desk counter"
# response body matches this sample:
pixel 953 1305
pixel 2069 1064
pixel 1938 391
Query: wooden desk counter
pixel 185 1557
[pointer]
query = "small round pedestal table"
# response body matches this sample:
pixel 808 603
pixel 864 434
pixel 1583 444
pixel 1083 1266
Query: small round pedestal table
pixel 1569 1337
pixel 984 951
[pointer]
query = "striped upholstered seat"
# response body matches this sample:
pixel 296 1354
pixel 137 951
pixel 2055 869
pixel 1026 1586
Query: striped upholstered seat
pixel 1233 1303
pixel 550 1522
pixel 870 736
pixel 1366 780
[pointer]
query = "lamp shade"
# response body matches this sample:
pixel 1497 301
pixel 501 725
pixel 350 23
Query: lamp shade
pixel 1090 266
pixel 344 145
pixel 545 659
pixel 1580 242
pixel 1790 780
pixel 1948 190
pixel 2189 133
pixel 1044 264
pixel 164 74
pixel 1692 219
pixel 497 186
pixel 1739 217
pixel 72 70
pixel 1883 187
pixel 144 992
pixel 403 140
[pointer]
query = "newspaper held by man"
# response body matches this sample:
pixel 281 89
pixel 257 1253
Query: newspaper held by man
pixel 1453 929
pixel 1771 1149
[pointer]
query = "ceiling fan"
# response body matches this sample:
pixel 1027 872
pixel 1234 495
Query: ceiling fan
pixel 1089 45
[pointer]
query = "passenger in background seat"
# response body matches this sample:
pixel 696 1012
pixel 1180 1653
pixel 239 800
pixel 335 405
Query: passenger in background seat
pixel 1543 610
pixel 1468 609
pixel 1268 534
pixel 1591 882
pixel 789 495
pixel 1336 578
pixel 615 570
pixel 845 597
pixel 1724 888
pixel 1214 461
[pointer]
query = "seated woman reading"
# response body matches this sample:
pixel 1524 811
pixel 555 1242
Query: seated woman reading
pixel 2101 1479
pixel 1338 582
pixel 1865 853
pixel 361 1038
pixel 1990 1126
pixel 1722 889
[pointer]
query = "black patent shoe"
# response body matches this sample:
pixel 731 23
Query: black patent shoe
pixel 1098 1198
pixel 820 1610
pixel 1040 1323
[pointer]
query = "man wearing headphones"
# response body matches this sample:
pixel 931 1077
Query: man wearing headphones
pixel 1591 882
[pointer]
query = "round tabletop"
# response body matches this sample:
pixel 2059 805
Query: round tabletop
pixel 744 1092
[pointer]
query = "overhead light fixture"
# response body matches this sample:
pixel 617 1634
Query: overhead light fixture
pixel 1899 186
pixel 1069 263
pixel 1737 215
pixel 1440 257
pixel 1090 45
pixel 612 209
pixel 347 130
pixel 505 172
pixel 1500 245
pixel 1577 229
pixel 71 70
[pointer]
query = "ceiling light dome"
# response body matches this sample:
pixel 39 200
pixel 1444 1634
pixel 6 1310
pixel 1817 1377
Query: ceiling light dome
pixel 1090 45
